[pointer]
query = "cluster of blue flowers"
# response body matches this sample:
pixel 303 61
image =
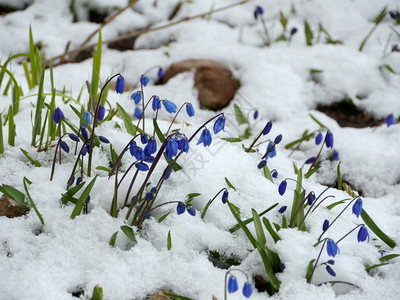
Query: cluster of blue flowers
pixel 232 286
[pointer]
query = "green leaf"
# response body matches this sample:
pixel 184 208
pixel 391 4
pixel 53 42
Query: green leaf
pixel 318 122
pixel 329 207
pixel 1 135
pixel 375 229
pixel 157 129
pixel 94 84
pixel 380 16
pixel 232 139
pixel 339 178
pixel 369 268
pixel 229 184
pixel 103 168
pixel 271 230
pixel 81 201
pixel 240 117
pixel 68 196
pixel 308 33
pixel 113 239
pixel 14 194
pixel 389 257
pixel 37 124
pixel 11 127
pixel 163 217
pixel 128 232
pixel 267 174
pixel 130 128
pixel 169 242
pixel 305 137
pixel 97 293
pixel 34 161
pixel 310 268
pixel 259 229
pixel 176 297
pixel 246 134
pixel 312 171
pixel 389 68
pixel 26 180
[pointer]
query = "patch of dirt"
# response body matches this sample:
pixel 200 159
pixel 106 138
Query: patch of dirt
pixel 11 210
pixel 8 8
pixel 123 44
pixel 348 115
pixel 159 296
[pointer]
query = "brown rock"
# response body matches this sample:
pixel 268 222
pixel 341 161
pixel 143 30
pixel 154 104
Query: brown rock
pixel 11 210
pixel 214 81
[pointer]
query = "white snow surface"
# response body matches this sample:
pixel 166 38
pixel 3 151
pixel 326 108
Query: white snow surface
pixel 64 255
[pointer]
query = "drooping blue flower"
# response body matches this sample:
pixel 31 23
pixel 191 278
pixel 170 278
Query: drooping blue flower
pixel 258 12
pixel 267 128
pixel 172 148
pixel 104 139
pixel 282 187
pixel 205 138
pixel 180 209
pixel 330 271
pixel 247 289
pixel 189 109
pixel 156 104
pixel 389 120
pixel 149 159
pixel 137 97
pixel 219 124
pixel 149 196
pixel 329 139
pixel 282 266
pixel 282 209
pixel 64 146
pixel 274 174
pixel 255 115
pixel 262 164
pixel 101 113
pixel 151 147
pixel 183 142
pixel 160 73
pixel 132 148
pixel 233 285
pixel 310 198
pixel 153 190
pixel 73 137
pixel 168 173
pixel 363 234
pixel 271 150
pixel 78 180
pixel 331 262
pixel 225 195
pixel 141 166
pixel 144 80
pixel 143 138
pixel 87 116
pixel 325 226
pixel 357 207
pixel 318 138
pixel 57 115
pixel 310 160
pixel 85 134
pixel 335 155
pixel 293 31
pixel 85 149
pixel 191 211
pixel 120 85
pixel 169 106
pixel 332 248
pixel 138 113
pixel 278 139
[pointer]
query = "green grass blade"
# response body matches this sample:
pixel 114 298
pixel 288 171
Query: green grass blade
pixel 375 229
pixel 176 297
pixel 271 230
pixel 94 84
pixel 130 128
pixel 169 241
pixel 11 127
pixel 240 117
pixel 157 129
pixel 312 171
pixel 68 196
pixel 32 58
pixel 14 194
pixel 26 180
pixel 113 239
pixel 310 268
pixel 259 229
pixel 37 124
pixel 1 135
pixel 27 74
pixel 339 178
pixel 81 201
pixel 32 160
pixel 308 33
pixel 162 218
pixel 229 184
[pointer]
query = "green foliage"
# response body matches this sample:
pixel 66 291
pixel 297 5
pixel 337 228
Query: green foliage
pixel 81 201
pixel 128 230
pixel 308 33
pixel 97 293
pixel 94 83
pixel 32 160
pixel 169 241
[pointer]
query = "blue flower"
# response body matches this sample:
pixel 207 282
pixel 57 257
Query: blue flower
pixel 247 289
pixel 282 187
pixel 282 209
pixel 120 85
pixel 189 109
pixel 330 271
pixel 141 166
pixel 183 142
pixel 274 174
pixel 310 160
pixel 180 209
pixel 278 139
pixel 318 138
pixel 293 31
pixel 160 73
pixel 331 262
pixel 84 133
pixel 232 284
pixel 271 150
pixel 255 115
pixel 171 149
pixel 58 115
pixel 357 207
pixel 329 139
pixel 219 124
pixel 64 146
pixel 267 128
pixel 310 198
pixel 143 138
pixel 335 155
pixel 205 138
pixel 156 103
pixel 332 248
pixel 363 234
pixel 151 147
pixel 389 120
pixel 262 164
pixel 104 139
pixel 325 226
pixel 191 211
pixel 101 113
pixel 85 149
pixel 137 97
pixel 138 113
pixel 169 106
pixel 168 174
pixel 225 196
pixel 139 155
pixel 149 196
pixel 144 80
pixel 73 137
pixel 87 117
pixel 133 148
pixel 258 12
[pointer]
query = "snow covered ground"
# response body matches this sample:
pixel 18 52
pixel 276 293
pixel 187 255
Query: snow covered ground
pixel 65 255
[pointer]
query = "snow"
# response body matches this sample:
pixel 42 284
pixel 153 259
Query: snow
pixel 65 255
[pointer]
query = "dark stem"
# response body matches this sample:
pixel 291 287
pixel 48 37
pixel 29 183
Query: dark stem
pixel 316 262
